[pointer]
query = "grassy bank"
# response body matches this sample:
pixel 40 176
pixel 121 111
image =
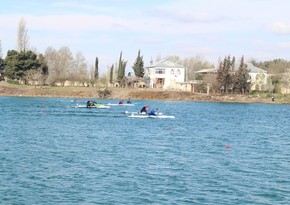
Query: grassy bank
pixel 7 89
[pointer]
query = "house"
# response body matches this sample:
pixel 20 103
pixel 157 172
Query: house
pixel 165 74
pixel 258 75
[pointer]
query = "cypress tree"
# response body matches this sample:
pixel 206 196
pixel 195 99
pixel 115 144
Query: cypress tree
pixel 121 68
pixel 138 66
pixel 233 63
pixel 242 83
pixel 96 73
pixel 111 73
pixel 223 75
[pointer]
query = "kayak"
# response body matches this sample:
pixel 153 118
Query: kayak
pixel 138 113
pixel 151 116
pixel 129 113
pixel 99 106
pixel 125 104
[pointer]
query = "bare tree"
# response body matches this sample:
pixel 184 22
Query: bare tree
pixel 66 63
pixel 22 36
pixel 91 75
pixel 52 59
pixel 193 64
pixel 79 69
pixel 104 80
pixel 64 66
pixel 34 77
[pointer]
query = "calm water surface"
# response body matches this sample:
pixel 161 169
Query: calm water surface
pixel 53 153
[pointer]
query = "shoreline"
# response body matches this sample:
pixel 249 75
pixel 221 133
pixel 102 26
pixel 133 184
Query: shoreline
pixel 7 89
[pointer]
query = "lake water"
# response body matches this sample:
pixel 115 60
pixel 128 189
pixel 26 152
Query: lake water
pixel 211 153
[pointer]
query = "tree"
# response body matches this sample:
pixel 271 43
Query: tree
pixel 111 73
pixel 233 63
pixel 2 65
pixel 103 81
pixel 78 71
pixel 22 36
pixel 121 68
pixel 18 63
pixel 96 73
pixel 34 77
pixel 138 66
pixel 43 70
pixel 224 79
pixel 60 63
pixel 242 78
pixel 2 62
pixel 52 60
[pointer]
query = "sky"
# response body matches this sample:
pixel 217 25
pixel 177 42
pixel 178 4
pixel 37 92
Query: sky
pixel 210 29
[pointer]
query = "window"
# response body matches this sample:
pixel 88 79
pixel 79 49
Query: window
pixel 172 71
pixel 178 72
pixel 160 71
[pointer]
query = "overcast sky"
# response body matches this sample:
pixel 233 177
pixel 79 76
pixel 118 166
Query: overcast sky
pixel 213 29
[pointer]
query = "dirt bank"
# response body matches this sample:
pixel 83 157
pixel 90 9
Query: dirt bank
pixel 7 89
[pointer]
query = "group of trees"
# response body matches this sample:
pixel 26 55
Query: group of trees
pixel 61 65
pixel 234 76
pixel 56 66
pixel 21 65
pixel 119 73
pixel 231 79
pixel 2 63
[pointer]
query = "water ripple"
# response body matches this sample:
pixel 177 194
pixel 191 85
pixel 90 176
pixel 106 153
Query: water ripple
pixel 54 153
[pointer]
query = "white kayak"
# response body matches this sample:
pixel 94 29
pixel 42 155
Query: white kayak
pixel 125 104
pixel 151 116
pixel 138 113
pixel 96 106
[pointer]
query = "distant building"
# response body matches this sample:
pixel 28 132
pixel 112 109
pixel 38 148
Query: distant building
pixel 258 75
pixel 164 74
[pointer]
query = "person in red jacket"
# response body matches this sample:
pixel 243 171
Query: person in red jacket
pixel 144 109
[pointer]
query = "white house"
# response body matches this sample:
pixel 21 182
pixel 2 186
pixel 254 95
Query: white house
pixel 165 74
pixel 258 76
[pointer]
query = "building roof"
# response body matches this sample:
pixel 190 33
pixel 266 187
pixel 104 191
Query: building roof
pixel 165 63
pixel 205 71
pixel 250 66
pixel 254 69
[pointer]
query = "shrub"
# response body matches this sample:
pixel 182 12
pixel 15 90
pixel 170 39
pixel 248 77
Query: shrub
pixel 104 93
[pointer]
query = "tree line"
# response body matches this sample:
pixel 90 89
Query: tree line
pixel 56 66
